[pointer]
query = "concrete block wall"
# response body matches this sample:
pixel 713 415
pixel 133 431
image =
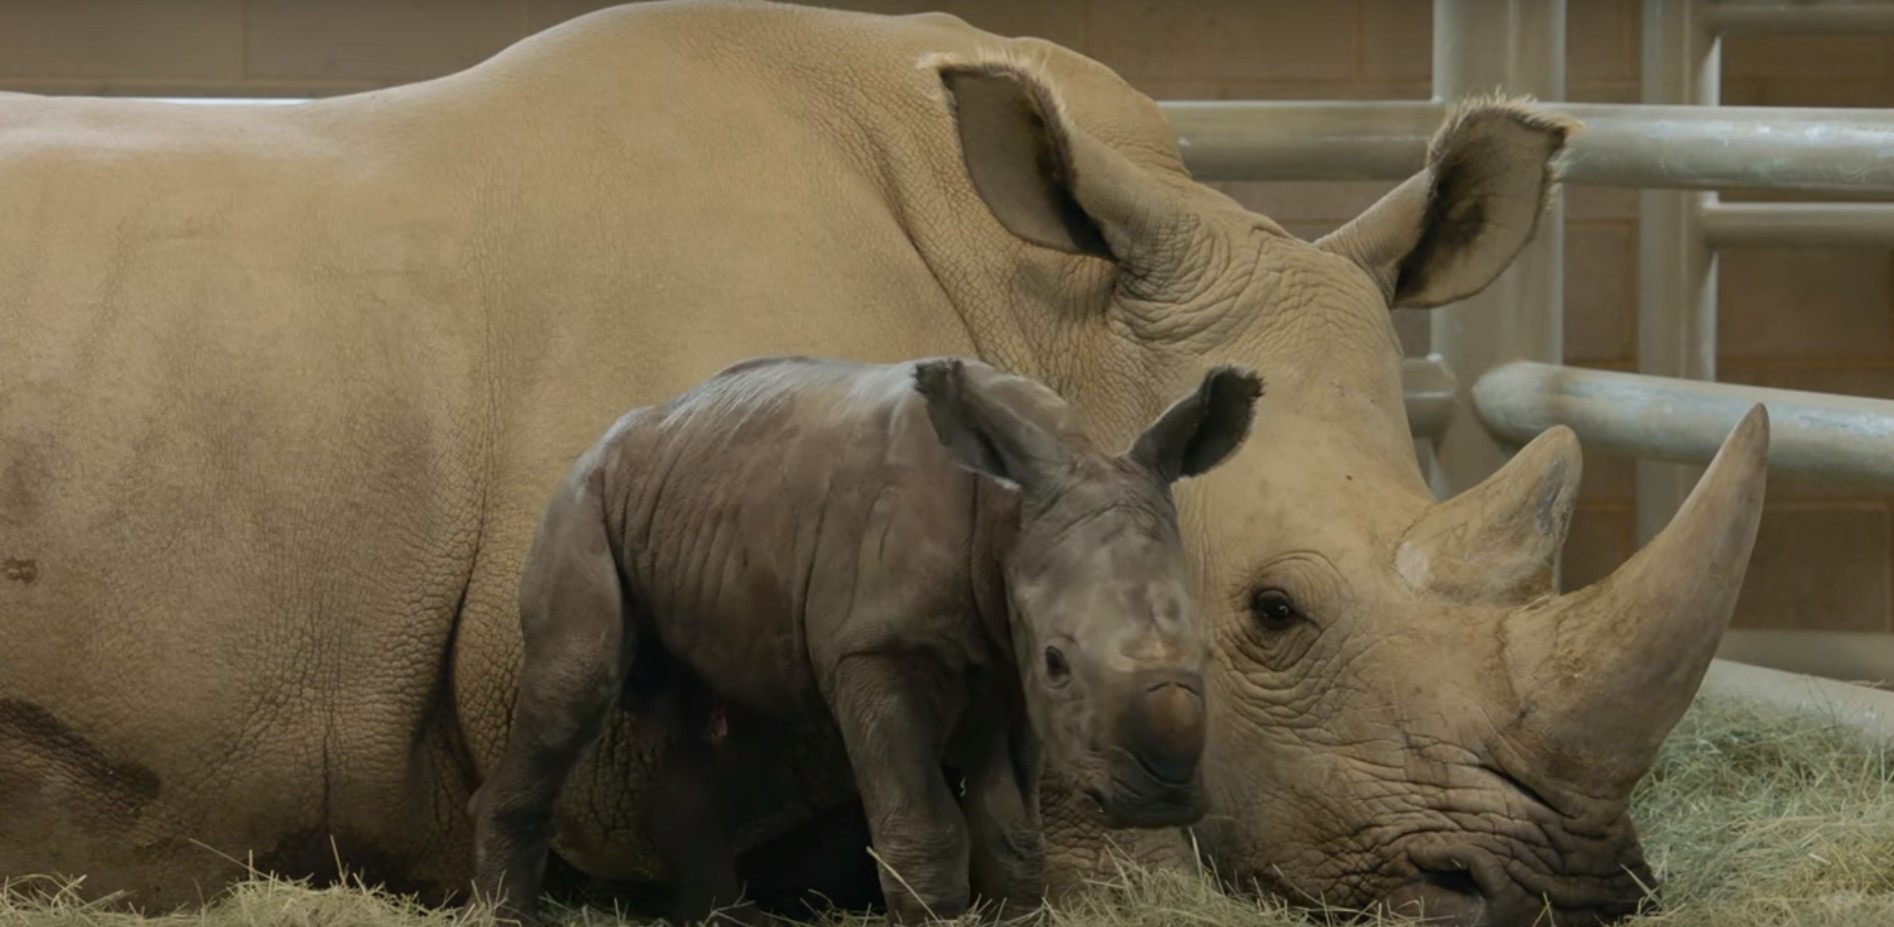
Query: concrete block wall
pixel 1798 318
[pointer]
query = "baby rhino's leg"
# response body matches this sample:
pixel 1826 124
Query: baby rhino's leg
pixel 560 712
pixel 578 648
pixel 999 755
pixel 894 711
pixel 694 807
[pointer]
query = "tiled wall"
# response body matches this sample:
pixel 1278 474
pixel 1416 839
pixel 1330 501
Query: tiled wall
pixel 1809 319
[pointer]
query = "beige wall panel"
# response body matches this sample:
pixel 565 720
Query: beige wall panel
pixel 375 38
pixel 1820 568
pixel 1226 39
pixel 69 39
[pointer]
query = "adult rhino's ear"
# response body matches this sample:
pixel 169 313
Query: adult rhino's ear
pixel 1202 429
pixel 1450 230
pixel 983 432
pixel 1045 179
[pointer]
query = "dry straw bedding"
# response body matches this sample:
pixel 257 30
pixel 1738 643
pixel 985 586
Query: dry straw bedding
pixel 1751 817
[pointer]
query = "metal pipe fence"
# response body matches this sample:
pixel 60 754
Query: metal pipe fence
pixel 1811 225
pixel 1804 18
pixel 1829 150
pixel 1848 439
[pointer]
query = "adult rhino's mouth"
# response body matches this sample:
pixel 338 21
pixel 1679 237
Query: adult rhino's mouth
pixel 1462 883
pixel 1458 878
pixel 1174 809
pixel 1126 796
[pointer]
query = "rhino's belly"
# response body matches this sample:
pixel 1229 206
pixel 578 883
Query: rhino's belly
pixel 600 827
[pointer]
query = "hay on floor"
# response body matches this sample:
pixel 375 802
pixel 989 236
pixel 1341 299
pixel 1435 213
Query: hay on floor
pixel 1751 817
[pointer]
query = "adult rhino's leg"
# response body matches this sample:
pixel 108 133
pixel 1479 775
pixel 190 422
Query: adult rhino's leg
pixel 894 714
pixel 578 651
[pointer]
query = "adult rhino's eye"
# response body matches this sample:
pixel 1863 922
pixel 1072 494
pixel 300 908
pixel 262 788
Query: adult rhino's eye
pixel 1273 610
pixel 1056 670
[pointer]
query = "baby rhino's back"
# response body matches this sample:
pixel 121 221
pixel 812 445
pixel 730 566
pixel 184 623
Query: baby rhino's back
pixel 762 503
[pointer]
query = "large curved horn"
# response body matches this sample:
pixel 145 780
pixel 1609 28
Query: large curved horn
pixel 1605 672
pixel 1497 543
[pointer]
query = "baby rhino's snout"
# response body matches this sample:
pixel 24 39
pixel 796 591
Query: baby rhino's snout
pixel 1155 775
pixel 1168 726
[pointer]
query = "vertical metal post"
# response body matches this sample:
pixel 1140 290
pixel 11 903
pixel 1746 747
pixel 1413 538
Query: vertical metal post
pixel 1515 47
pixel 1681 64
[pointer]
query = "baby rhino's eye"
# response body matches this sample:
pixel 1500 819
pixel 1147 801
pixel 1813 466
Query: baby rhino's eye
pixel 1273 610
pixel 1056 670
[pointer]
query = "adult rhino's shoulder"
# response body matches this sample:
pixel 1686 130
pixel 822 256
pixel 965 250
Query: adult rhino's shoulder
pixel 881 56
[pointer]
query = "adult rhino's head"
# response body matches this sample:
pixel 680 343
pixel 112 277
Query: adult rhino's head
pixel 1110 656
pixel 1403 711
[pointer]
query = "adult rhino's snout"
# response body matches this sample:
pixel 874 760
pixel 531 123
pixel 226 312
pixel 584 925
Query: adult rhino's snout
pixel 1453 886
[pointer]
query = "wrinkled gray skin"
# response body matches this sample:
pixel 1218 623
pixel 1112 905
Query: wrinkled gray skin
pixel 931 554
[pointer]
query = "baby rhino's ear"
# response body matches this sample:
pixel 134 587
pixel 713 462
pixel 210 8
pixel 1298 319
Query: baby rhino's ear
pixel 1203 429
pixel 983 433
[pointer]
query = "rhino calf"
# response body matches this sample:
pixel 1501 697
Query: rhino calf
pixel 930 554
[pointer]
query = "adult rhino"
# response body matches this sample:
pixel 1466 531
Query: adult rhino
pixel 283 391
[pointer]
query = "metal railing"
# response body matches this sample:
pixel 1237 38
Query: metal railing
pixel 1845 439
pixel 1495 376
pixel 1629 145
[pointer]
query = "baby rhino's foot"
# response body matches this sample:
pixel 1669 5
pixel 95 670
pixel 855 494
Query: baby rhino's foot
pixel 744 914
pixel 906 910
pixel 1020 910
pixel 717 902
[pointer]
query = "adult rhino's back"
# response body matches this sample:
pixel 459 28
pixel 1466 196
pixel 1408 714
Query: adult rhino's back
pixel 241 436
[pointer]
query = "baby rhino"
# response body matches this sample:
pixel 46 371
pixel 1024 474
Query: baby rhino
pixel 929 553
